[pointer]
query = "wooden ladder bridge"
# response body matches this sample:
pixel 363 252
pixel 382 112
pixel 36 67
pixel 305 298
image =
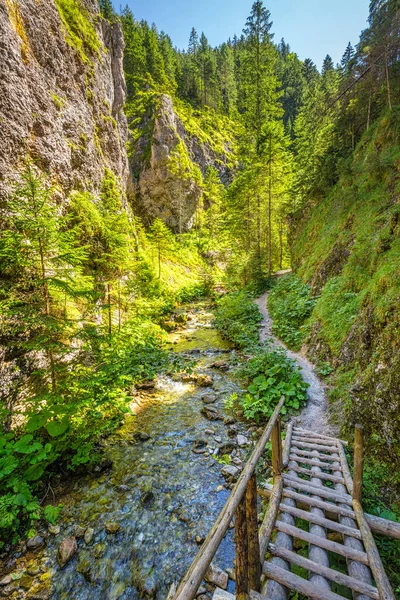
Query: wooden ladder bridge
pixel 311 482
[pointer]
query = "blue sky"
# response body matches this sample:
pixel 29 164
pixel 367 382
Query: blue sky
pixel 313 28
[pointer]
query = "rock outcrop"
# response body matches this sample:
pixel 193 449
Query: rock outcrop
pixel 61 100
pixel 168 167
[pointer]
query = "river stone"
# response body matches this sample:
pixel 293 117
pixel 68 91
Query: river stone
pixel 89 535
pixel 242 440
pixel 218 439
pixel 211 413
pixel 227 448
pixel 229 421
pixel 54 529
pixel 222 365
pixel 209 398
pixel 200 443
pixel 147 499
pixel 112 527
pixel 78 531
pixel 7 591
pixel 229 471
pixel 5 581
pixel 217 577
pixel 66 550
pixel 33 570
pixel 209 431
pixel 237 461
pixel 35 543
pixel 26 582
pixel 143 436
pixel 204 380
pixel 9 566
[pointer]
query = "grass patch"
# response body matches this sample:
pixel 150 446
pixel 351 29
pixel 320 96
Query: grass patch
pixel 80 32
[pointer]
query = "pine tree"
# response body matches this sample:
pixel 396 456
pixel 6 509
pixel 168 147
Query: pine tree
pixel 226 71
pixel 347 57
pixel 42 263
pixel 162 239
pixel 107 10
pixel 259 78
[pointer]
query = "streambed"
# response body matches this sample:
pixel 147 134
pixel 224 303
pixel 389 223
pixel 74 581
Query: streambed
pixel 159 494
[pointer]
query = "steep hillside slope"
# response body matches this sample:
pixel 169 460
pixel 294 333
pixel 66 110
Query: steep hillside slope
pixel 347 248
pixel 63 92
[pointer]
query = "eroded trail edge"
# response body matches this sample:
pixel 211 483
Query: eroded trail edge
pixel 314 416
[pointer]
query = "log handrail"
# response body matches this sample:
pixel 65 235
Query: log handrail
pixel 191 581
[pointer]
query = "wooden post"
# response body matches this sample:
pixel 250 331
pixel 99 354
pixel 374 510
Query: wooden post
pixel 254 563
pixel 242 552
pixel 276 439
pixel 358 462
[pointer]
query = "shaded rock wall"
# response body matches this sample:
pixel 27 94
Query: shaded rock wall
pixel 64 112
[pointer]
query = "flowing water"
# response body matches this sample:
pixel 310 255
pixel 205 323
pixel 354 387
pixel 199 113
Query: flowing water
pixel 160 493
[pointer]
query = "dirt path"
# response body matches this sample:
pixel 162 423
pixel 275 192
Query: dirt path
pixel 315 415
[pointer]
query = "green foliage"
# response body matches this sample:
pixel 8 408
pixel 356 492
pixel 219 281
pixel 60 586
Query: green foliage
pixel 269 375
pixel 80 32
pixel 237 318
pixel 290 304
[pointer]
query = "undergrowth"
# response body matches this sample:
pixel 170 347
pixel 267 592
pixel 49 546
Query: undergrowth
pixel 237 319
pixel 290 304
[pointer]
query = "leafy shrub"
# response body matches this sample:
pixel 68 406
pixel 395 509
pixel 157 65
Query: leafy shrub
pixel 237 318
pixel 65 426
pixel 290 304
pixel 269 375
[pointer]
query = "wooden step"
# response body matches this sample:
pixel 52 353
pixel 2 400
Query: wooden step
pixel 317 491
pixel 299 430
pixel 331 574
pixel 325 476
pixel 306 439
pixel 310 445
pixel 298 584
pixel 321 542
pixel 314 461
pixel 317 520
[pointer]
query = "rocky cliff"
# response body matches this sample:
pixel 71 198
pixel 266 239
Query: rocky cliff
pixel 171 158
pixel 62 92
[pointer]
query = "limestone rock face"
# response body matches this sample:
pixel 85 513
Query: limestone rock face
pixel 168 176
pixel 56 106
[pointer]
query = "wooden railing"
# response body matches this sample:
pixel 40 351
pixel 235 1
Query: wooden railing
pixel 241 504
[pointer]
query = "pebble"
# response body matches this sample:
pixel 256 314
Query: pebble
pixel 242 440
pixel 35 543
pixel 78 531
pixel 89 535
pixel 66 550
pixel 112 527
pixel 54 529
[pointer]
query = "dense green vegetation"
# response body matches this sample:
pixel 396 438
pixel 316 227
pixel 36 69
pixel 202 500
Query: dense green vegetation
pixel 237 318
pixel 290 304
pixel 267 374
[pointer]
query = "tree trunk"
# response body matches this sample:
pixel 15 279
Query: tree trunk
pixel 388 81
pixel 270 209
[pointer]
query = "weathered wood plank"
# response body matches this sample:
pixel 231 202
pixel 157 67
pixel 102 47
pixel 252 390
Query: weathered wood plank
pixel 310 445
pixel 331 574
pixel 319 435
pixel 276 440
pixel 306 439
pixel 298 584
pixel 299 458
pixel 242 552
pixel 321 475
pixel 323 543
pixel 313 454
pixel 358 462
pixel 286 450
pixel 312 489
pixel 327 523
pixel 377 524
pixel 375 562
pixel 254 562
pixel 268 523
pixel 345 469
pixel 304 501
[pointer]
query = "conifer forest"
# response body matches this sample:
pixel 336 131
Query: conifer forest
pixel 188 236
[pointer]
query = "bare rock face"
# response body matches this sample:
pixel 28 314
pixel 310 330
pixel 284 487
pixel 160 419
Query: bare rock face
pixel 60 106
pixel 169 174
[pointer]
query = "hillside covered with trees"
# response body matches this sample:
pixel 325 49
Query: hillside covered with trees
pixel 137 179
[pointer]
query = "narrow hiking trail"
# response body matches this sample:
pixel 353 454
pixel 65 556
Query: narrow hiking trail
pixel 314 416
